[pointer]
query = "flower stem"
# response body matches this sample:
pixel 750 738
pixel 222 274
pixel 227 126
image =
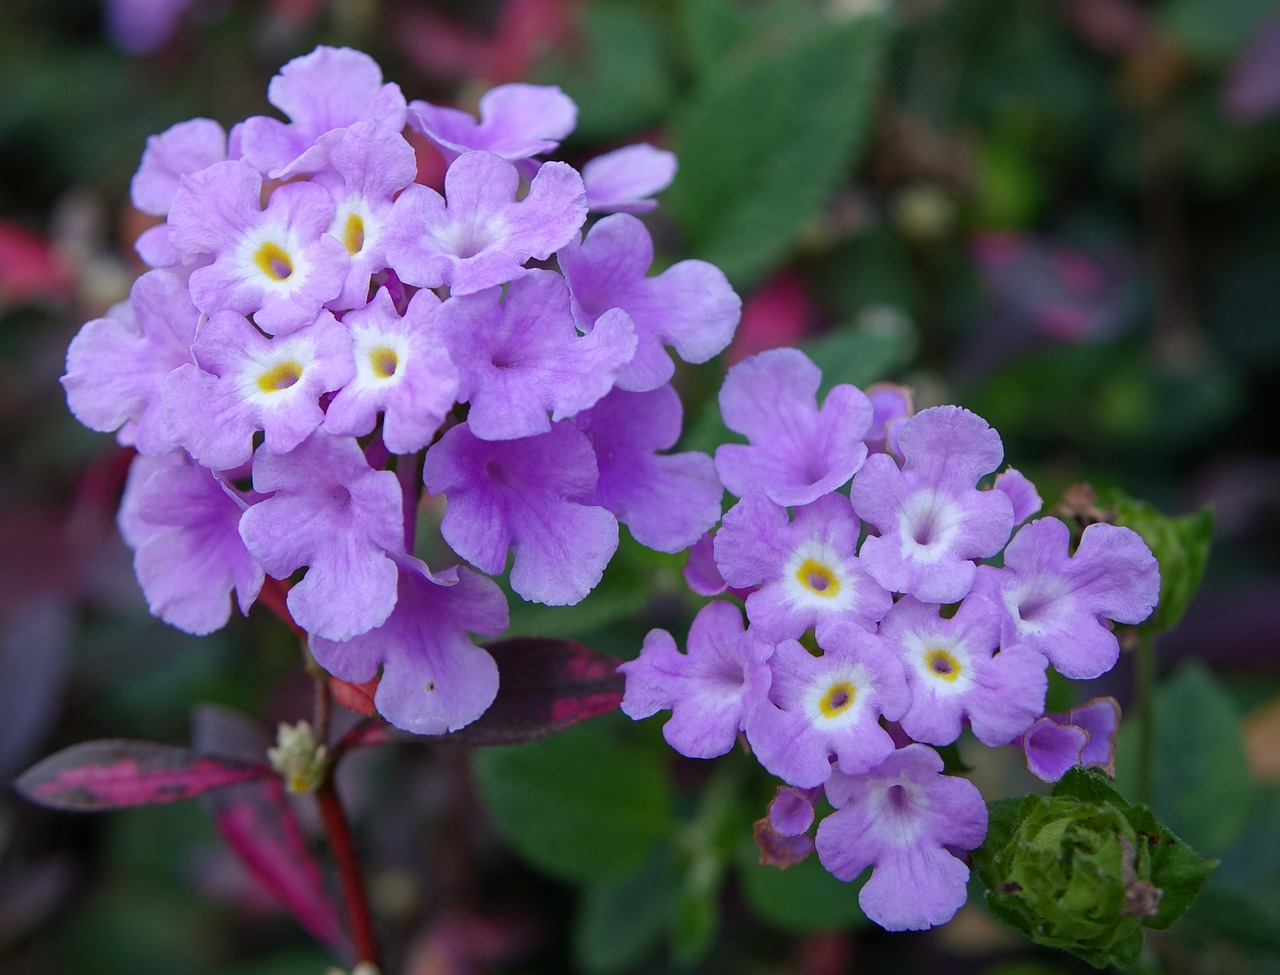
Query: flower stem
pixel 344 855
pixel 1145 673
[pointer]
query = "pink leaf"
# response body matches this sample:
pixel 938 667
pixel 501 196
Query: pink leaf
pixel 544 686
pixel 113 774
pixel 259 826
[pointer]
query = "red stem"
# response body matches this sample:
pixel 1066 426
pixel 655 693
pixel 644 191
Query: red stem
pixel 344 855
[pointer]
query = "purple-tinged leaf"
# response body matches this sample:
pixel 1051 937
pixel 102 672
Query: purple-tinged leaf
pixel 258 824
pixel 221 731
pixel 370 733
pixel 544 686
pixel 114 774
pixel 1253 89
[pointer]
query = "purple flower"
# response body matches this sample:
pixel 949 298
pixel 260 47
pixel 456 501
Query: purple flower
pixel 341 519
pixel 689 306
pixel 1053 748
pixel 901 819
pixel 116 366
pixel 806 569
pixel 401 371
pixel 330 88
pixel 625 180
pixel 890 405
pixel 527 496
pixel 279 264
pixel 954 672
pixel 1085 735
pixel 182 523
pixel 143 26
pixel 791 811
pixel 519 356
pixel 701 574
pixel 827 707
pixel 434 678
pixel 180 150
pixel 798 451
pixel 709 690
pixel 932 519
pixel 482 236
pixel 517 121
pixel 1057 603
pixel 1023 494
pixel 668 501
pixel 246 382
pixel 368 164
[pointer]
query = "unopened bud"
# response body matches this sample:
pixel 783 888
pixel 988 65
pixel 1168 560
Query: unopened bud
pixel 301 761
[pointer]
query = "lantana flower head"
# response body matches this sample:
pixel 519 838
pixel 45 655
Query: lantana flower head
pixel 798 451
pixel 710 690
pixel 806 569
pixel 903 819
pixel 1057 602
pixel 932 519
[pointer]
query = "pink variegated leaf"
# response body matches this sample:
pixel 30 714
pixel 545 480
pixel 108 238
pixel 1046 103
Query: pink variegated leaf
pixel 258 824
pixel 544 686
pixel 116 773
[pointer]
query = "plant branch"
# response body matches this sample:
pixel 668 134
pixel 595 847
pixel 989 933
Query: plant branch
pixel 344 854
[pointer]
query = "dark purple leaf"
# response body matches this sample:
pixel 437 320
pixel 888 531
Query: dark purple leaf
pixel 260 827
pixel 369 733
pixel 1253 90
pixel 34 642
pixel 216 730
pixel 113 774
pixel 544 686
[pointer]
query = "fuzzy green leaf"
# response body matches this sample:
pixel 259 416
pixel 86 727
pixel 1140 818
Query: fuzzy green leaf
pixel 765 142
pixel 583 805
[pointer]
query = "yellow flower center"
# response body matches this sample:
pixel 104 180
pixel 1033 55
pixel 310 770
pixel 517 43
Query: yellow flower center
pixel 353 234
pixel 280 377
pixel 838 699
pixel 384 362
pixel 273 261
pixel 942 664
pixel 818 579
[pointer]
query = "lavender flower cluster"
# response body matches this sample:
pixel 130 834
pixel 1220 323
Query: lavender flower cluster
pixel 919 630
pixel 318 327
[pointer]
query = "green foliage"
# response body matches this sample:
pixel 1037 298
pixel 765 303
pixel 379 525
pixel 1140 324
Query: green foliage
pixel 620 921
pixel 620 81
pixel 802 899
pixel 1085 871
pixel 1214 30
pixel 764 143
pixel 584 805
pixel 1201 784
pixel 1180 545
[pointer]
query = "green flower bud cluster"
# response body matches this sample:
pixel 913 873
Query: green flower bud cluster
pixel 1084 871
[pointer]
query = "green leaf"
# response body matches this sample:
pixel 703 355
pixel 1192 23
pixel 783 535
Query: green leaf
pixel 1237 918
pixel 1215 30
pixel 765 142
pixel 1180 545
pixel 1200 782
pixel 583 805
pixel 860 356
pixel 621 82
pixel 801 899
pixel 621 921
pixel 694 925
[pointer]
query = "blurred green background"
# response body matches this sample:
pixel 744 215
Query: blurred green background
pixel 1062 215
